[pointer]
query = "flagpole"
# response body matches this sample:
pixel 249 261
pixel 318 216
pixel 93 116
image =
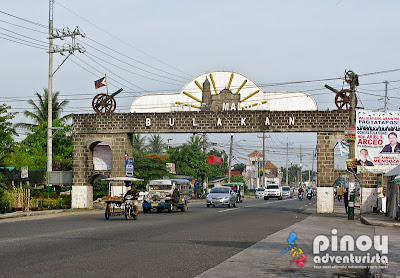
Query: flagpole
pixel 105 76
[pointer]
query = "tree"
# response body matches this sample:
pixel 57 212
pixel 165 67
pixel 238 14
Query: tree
pixel 241 167
pixel 39 113
pixel 148 168
pixel 189 160
pixel 218 170
pixel 138 143
pixel 6 132
pixel 156 144
pixel 32 150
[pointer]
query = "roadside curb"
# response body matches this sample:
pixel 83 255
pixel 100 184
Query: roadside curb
pixel 372 222
pixel 29 213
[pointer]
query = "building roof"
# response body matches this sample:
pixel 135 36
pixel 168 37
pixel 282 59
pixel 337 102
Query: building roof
pixel 255 153
pixel 270 165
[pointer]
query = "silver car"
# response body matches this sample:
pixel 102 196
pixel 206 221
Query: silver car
pixel 221 196
pixel 287 192
pixel 260 192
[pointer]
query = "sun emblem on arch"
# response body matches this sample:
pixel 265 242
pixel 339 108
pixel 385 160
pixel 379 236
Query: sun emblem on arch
pixel 228 92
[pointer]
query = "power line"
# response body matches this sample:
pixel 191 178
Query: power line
pixel 141 51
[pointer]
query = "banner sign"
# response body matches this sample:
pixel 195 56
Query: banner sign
pixel 351 164
pixel 377 143
pixel 24 172
pixel 350 133
pixel 129 163
pixel 344 147
pixel 171 168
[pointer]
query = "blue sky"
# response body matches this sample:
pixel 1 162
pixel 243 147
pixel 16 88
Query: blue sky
pixel 174 41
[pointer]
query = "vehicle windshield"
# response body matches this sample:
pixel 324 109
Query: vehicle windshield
pixel 272 186
pixel 286 188
pixel 260 189
pixel 219 190
pixel 161 187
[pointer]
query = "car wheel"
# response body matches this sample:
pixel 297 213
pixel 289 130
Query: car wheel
pixel 229 205
pixel 170 206
pixel 280 198
pixel 234 205
pixel 265 198
pixel 159 209
pixel 208 205
pixel 213 206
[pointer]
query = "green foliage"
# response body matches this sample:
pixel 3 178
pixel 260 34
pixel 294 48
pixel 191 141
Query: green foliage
pixel 240 167
pixel 138 143
pixel 216 171
pixel 189 160
pixel 148 169
pixel 5 200
pixel 38 113
pixel 6 133
pixel 100 189
pixel 32 150
pixel 156 144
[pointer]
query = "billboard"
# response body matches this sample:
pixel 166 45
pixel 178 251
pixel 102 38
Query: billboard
pixel 377 143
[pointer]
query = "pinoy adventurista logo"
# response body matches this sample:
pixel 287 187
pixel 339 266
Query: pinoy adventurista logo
pixel 350 252
pixel 297 253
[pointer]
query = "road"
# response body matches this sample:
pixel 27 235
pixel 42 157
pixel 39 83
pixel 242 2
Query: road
pixel 178 244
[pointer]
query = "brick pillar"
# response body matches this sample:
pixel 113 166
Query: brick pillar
pixel 82 164
pixel 326 174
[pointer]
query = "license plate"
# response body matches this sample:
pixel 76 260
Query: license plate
pixel 154 204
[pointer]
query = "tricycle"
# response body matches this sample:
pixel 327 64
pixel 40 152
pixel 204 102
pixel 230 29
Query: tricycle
pixel 115 203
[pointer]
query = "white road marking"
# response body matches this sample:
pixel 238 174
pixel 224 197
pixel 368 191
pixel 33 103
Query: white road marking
pixel 228 209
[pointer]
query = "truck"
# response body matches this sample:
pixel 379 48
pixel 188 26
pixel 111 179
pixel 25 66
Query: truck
pixel 237 187
pixel 166 194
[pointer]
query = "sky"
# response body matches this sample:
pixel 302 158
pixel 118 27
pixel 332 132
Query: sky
pixel 159 46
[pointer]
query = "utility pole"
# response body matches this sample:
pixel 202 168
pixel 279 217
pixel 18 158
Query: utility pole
pixel 301 165
pixel 230 159
pixel 70 48
pixel 204 142
pixel 386 97
pixel 287 163
pixel 50 93
pixel 264 159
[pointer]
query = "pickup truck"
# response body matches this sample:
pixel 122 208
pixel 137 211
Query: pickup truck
pixel 273 191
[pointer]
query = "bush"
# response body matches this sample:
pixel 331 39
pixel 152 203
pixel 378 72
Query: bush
pixel 100 189
pixel 5 201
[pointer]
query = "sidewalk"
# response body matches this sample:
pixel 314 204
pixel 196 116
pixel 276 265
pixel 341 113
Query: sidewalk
pixel 29 213
pixel 264 259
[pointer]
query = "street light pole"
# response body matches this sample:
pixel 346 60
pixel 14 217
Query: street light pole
pixel 230 159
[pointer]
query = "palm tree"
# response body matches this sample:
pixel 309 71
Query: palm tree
pixel 156 144
pixel 39 113
pixel 138 143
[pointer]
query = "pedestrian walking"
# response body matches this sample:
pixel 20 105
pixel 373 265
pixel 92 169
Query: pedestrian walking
pixel 346 200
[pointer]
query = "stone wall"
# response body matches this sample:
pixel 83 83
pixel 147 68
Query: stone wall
pixel 116 129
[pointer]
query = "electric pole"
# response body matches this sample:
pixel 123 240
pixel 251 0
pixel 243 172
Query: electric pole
pixel 70 48
pixel 230 159
pixel 287 163
pixel 264 160
pixel 386 97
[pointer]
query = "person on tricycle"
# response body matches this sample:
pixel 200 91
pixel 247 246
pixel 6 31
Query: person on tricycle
pixel 135 195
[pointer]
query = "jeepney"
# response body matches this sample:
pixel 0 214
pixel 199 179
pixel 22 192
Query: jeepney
pixel 166 194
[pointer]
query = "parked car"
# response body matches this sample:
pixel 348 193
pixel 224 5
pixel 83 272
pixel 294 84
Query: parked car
pixel 238 188
pixel 273 191
pixel 287 192
pixel 260 192
pixel 221 196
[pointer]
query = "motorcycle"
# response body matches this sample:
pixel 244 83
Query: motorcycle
pixel 309 196
pixel 300 196
pixel 129 208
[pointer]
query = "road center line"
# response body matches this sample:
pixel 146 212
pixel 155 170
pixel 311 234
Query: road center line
pixel 228 209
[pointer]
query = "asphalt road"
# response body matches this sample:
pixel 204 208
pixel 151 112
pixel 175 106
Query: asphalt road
pixel 178 244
